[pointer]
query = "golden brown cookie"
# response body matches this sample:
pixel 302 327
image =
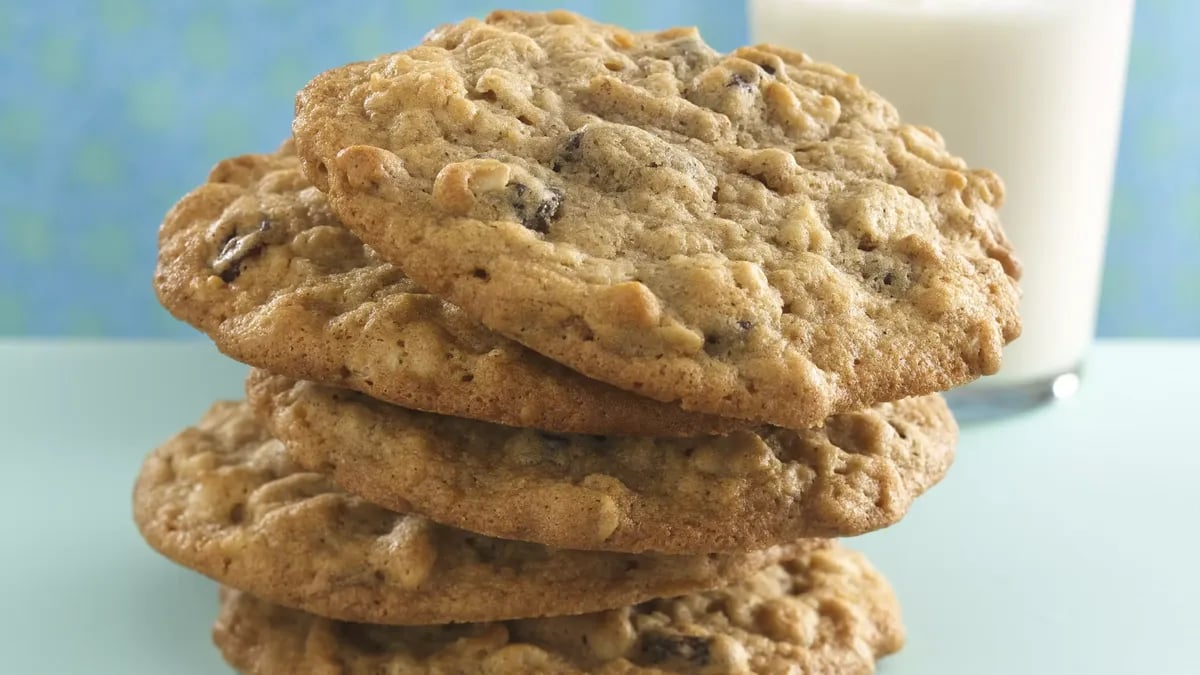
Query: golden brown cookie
pixel 255 259
pixel 224 499
pixel 826 612
pixel 740 492
pixel 751 234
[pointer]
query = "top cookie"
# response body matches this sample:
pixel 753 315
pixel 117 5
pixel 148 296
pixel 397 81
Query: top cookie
pixel 255 259
pixel 752 234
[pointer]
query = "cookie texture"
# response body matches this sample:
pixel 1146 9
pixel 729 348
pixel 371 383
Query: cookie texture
pixel 751 234
pixel 255 259
pixel 224 499
pixel 826 612
pixel 740 492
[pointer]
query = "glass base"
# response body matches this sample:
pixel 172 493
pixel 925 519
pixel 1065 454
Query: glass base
pixel 976 403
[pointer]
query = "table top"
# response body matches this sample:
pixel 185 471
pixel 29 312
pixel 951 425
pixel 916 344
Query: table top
pixel 1062 541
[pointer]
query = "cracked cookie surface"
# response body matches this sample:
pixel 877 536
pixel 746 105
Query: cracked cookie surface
pixel 824 612
pixel 256 260
pixel 750 489
pixel 751 234
pixel 223 498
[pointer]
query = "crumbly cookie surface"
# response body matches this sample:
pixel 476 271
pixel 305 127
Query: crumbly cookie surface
pixel 826 612
pixel 753 235
pixel 256 259
pixel 750 489
pixel 224 499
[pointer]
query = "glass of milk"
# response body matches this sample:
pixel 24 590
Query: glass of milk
pixel 1031 89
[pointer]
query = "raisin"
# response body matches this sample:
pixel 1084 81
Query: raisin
pixel 740 81
pixel 536 218
pixel 660 647
pixel 745 325
pixel 232 272
pixel 569 152
pixel 888 278
pixel 237 249
pixel 573 141
pixel 770 70
pixel 547 211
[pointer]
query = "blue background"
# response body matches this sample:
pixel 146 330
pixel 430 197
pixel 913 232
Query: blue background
pixel 111 110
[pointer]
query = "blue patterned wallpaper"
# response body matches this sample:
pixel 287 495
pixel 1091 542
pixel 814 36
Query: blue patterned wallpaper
pixel 110 110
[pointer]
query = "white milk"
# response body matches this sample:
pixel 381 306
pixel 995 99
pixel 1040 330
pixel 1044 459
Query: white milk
pixel 1030 89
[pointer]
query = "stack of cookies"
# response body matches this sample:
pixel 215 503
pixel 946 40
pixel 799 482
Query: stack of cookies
pixel 573 349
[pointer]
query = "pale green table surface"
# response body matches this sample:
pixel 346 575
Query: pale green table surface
pixel 1063 541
